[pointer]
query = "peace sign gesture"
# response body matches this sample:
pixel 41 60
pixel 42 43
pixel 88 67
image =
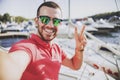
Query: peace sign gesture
pixel 80 39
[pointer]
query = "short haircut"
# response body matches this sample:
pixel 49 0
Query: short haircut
pixel 48 4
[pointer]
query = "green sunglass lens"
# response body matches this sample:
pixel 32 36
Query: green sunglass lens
pixel 44 19
pixel 56 22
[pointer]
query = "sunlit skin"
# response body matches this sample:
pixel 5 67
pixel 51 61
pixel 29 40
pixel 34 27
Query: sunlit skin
pixel 80 38
pixel 76 61
pixel 48 32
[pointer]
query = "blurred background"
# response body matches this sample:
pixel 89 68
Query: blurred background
pixel 102 21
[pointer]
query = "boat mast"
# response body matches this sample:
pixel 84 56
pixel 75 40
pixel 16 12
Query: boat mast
pixel 69 11
pixel 116 5
pixel 44 0
pixel 69 20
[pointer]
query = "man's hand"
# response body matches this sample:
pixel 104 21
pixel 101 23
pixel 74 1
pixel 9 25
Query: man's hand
pixel 80 39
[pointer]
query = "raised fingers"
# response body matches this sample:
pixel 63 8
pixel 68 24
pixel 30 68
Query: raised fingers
pixel 76 35
pixel 82 31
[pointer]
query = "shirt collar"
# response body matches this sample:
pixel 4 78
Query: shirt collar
pixel 38 41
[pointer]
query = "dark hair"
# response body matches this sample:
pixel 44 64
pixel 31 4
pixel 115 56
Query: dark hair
pixel 48 4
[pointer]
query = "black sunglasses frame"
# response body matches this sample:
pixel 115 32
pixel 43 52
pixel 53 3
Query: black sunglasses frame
pixel 49 19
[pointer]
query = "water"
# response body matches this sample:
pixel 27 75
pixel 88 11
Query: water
pixel 113 37
pixel 9 41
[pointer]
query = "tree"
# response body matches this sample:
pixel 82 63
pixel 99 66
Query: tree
pixel 19 19
pixel 6 17
pixel 0 17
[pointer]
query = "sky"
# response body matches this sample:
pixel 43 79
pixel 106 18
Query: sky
pixel 78 8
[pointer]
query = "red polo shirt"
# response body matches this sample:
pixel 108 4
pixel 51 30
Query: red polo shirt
pixel 45 58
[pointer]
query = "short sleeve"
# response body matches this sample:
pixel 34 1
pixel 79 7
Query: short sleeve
pixel 27 47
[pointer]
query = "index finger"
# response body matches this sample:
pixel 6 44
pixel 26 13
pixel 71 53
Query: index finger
pixel 82 30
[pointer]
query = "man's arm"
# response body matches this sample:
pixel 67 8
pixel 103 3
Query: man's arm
pixel 12 65
pixel 76 61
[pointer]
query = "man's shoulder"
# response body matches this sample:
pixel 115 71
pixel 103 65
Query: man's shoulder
pixel 24 43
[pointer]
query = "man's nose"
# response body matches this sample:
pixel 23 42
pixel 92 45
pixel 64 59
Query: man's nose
pixel 50 24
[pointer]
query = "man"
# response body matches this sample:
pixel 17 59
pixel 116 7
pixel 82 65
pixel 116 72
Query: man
pixel 37 58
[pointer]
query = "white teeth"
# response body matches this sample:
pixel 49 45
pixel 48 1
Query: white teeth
pixel 49 30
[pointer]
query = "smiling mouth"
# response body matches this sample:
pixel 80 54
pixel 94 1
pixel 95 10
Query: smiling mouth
pixel 49 31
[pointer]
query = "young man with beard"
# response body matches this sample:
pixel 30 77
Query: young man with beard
pixel 37 58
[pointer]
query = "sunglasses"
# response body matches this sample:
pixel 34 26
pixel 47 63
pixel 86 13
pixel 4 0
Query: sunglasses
pixel 46 19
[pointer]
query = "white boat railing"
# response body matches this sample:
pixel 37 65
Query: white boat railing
pixel 112 49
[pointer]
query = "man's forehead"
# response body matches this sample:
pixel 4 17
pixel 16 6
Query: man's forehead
pixel 50 11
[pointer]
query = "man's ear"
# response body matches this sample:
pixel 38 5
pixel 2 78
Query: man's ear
pixel 36 21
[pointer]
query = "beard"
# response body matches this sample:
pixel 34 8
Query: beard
pixel 47 34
